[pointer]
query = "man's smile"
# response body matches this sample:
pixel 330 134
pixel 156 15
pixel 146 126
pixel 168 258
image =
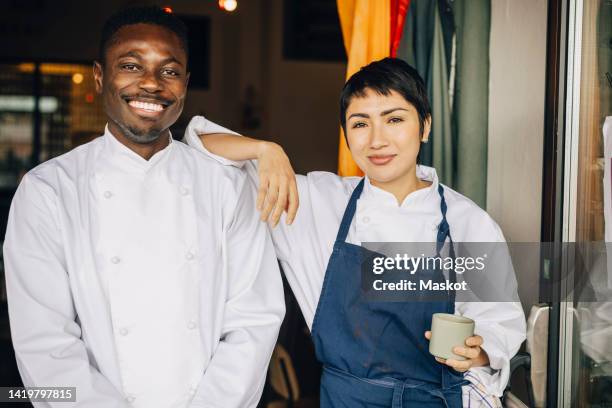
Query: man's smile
pixel 147 107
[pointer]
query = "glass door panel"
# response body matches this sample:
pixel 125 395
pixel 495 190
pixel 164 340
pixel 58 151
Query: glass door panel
pixel 586 339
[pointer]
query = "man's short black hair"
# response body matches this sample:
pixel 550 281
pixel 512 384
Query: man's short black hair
pixel 384 76
pixel 141 15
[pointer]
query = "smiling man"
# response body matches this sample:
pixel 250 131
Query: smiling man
pixel 129 278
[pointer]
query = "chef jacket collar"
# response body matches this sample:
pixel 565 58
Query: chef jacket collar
pixel 421 196
pixel 130 160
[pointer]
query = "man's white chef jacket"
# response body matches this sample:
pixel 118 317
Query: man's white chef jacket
pixel 304 249
pixel 141 283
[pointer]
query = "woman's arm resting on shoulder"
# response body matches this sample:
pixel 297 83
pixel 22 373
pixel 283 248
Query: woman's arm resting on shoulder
pixel 277 189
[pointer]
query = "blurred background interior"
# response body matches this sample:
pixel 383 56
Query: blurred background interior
pixel 520 89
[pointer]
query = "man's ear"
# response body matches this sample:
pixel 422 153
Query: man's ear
pixel 98 76
pixel 187 79
pixel 426 129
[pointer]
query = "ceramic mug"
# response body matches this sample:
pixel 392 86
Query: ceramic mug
pixel 447 332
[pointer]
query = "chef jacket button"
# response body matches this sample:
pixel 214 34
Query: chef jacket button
pixel 123 331
pixel 184 191
pixel 192 325
pixel 366 219
pixel 108 194
pixel 189 256
pixel 115 260
pixel 130 399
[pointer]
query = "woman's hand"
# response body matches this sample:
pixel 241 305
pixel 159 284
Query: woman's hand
pixel 277 185
pixel 474 354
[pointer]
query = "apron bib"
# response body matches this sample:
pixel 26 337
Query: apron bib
pixel 374 353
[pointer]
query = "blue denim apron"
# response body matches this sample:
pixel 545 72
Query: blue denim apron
pixel 375 354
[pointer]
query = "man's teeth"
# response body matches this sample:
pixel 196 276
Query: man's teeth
pixel 152 107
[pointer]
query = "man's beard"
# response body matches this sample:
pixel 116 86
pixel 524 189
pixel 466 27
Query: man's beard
pixel 138 135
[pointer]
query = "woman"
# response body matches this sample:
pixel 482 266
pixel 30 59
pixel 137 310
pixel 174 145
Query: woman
pixel 385 115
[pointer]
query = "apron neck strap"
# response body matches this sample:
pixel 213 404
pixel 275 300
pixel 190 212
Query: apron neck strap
pixel 443 206
pixel 443 233
pixel 349 212
pixel 443 227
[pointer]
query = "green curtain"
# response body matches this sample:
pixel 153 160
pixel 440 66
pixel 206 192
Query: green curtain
pixel 442 140
pixel 471 98
pixel 458 140
pixel 426 45
pixel 415 49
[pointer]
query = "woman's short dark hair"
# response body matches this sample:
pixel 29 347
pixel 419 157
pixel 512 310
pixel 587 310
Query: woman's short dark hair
pixel 384 76
pixel 141 15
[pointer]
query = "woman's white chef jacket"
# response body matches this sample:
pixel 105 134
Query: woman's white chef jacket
pixel 304 248
pixel 141 283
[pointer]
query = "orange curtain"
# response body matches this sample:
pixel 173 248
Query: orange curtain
pixel 368 27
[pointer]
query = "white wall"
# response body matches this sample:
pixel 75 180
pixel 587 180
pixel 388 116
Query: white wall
pixel 516 116
pixel 516 129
